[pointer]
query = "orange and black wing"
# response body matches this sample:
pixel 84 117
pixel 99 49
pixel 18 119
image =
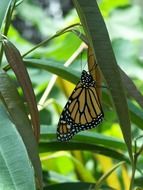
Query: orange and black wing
pixel 83 111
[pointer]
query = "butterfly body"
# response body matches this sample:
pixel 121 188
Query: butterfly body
pixel 83 110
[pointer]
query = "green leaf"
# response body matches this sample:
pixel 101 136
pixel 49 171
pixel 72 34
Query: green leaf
pixel 90 141
pixel 49 133
pixel 98 37
pixel 136 114
pixel 54 146
pixel 77 185
pixel 131 88
pixel 4 5
pixel 15 60
pixel 54 67
pixel 16 109
pixel 16 170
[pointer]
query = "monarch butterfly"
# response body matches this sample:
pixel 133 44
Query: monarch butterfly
pixel 83 110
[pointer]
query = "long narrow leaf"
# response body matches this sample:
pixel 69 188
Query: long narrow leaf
pixel 136 115
pixel 15 107
pixel 49 133
pixel 54 146
pixel 15 60
pixel 131 88
pixel 77 186
pixel 135 112
pixel 56 68
pixel 98 38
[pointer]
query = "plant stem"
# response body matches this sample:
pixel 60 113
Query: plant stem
pixel 134 164
pixel 133 173
pixel 67 29
pixel 61 32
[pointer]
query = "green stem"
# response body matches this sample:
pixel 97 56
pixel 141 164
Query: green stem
pixel 7 67
pixel 134 164
pixel 61 32
pixel 41 44
pixel 67 29
pixel 133 173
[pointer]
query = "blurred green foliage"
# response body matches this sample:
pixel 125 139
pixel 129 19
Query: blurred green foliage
pixel 61 163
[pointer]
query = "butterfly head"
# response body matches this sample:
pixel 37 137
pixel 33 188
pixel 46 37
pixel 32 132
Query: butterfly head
pixel 86 78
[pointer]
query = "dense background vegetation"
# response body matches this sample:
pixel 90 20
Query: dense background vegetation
pixel 49 43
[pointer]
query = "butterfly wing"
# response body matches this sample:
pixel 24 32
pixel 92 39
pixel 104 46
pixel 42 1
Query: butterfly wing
pixel 83 111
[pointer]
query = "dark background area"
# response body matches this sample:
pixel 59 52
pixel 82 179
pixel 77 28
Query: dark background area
pixel 54 9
